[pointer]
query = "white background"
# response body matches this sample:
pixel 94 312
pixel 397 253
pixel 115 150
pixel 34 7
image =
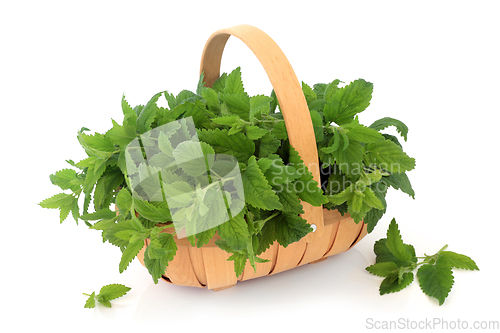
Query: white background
pixel 64 65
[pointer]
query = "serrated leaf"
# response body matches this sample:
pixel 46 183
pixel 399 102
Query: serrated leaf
pixel 240 261
pixel 289 199
pixel 210 96
pixel 113 291
pixel 130 253
pixel 309 93
pixel 400 181
pixel 350 160
pixel 66 179
pixel 124 201
pixel 459 260
pixel 259 104
pixel 235 104
pixel 235 232
pixel 90 303
pixel 330 90
pixel 387 121
pixel 258 192
pixel 126 108
pixel 276 171
pixel 255 133
pixel 268 144
pixel 57 201
pixel 104 302
pixel 156 266
pixel 395 243
pixel 346 102
pixel 240 146
pixel 105 213
pixel 290 228
pixel 357 132
pixel 385 255
pixel 383 269
pixel 436 280
pixel 121 135
pixel 96 145
pixel 317 121
pixel 392 284
pixel 310 191
pixel 389 156
pixel 233 83
pixel 156 213
pixel 148 114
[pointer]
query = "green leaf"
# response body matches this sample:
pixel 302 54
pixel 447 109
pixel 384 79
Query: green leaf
pixel 130 253
pixel 104 213
pixel 255 133
pixel 155 264
pixel 330 90
pixel 317 120
pixel 235 232
pixel 385 255
pixel 90 303
pixel 236 104
pixel 156 213
pixel 383 269
pixel 126 108
pixel 268 144
pixel 459 260
pixel 240 146
pixel 210 96
pixel 96 145
pixel 309 94
pixel 195 109
pixel 290 228
pixel 148 114
pixel 392 284
pixel 389 156
pixel 121 135
pixel 350 160
pixel 104 302
pixel 113 291
pixel 309 191
pixel 357 132
pixel 124 201
pixel 67 179
pixel 276 171
pixel 240 261
pixel 346 102
pixel 387 121
pixel 436 280
pixel 289 199
pixel 259 104
pixel 400 181
pixel 227 120
pixel 395 243
pixel 57 201
pixel 234 84
pixel 258 192
pixel 279 130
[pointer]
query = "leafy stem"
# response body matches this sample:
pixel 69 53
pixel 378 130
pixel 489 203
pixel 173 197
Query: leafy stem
pixel 396 261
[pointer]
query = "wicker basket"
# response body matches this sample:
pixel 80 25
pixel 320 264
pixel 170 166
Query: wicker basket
pixel 208 266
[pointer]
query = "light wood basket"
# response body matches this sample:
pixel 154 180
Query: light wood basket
pixel 208 266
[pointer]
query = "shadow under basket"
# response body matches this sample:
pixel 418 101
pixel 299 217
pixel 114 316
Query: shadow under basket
pixel 208 266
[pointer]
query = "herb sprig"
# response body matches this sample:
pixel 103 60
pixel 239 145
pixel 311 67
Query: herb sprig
pixel 396 261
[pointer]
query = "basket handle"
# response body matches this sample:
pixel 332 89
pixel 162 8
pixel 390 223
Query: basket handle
pixel 290 97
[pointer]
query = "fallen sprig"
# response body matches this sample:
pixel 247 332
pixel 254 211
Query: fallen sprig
pixel 396 261
pixel 106 294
